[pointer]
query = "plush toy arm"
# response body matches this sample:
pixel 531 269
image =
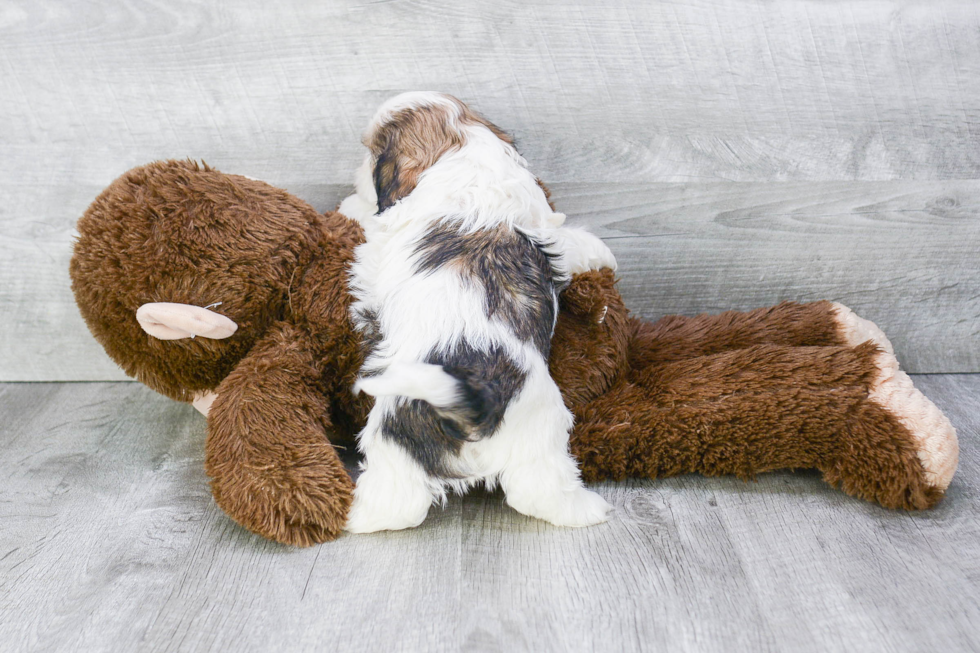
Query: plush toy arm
pixel 820 323
pixel 846 411
pixel 272 467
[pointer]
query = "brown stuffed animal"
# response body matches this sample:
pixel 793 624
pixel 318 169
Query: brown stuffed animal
pixel 793 386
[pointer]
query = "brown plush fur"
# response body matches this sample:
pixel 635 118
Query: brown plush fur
pixel 752 410
pixel 737 393
pixel 176 232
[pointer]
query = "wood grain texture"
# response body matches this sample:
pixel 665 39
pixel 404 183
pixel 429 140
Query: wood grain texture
pixel 902 254
pixel 608 91
pixel 615 92
pixel 111 541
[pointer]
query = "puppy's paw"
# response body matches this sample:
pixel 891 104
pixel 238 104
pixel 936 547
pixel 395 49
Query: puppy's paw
pixel 602 257
pixel 381 504
pixel 357 208
pixel 582 508
pixel 362 206
pixel 576 508
pixel 585 251
pixel 581 251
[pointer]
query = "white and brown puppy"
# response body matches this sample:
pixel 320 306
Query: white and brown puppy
pixel 456 292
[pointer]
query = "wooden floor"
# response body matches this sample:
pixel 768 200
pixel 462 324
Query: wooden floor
pixel 111 542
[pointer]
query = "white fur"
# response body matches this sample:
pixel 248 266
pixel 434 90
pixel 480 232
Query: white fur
pixel 483 184
pixel 363 203
pixel 393 492
pixel 424 381
pixel 580 251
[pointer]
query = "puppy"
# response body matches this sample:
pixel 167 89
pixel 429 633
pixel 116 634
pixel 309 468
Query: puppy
pixel 456 297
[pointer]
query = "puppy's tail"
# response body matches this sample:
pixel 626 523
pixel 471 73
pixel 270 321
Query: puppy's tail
pixel 424 381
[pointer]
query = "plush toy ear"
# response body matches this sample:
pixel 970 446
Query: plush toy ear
pixel 168 321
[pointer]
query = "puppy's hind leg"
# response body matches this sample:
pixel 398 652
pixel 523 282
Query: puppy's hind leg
pixel 392 493
pixel 541 479
pixel 553 494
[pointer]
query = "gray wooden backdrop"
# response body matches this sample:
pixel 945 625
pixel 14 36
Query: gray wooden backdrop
pixel 734 153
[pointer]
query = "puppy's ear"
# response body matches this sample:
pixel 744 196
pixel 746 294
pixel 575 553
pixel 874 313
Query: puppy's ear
pixel 406 145
pixel 387 173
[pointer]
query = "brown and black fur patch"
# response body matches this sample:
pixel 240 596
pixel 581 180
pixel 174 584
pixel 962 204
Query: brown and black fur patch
pixel 516 273
pixel 412 140
pixel 370 330
pixel 489 381
pixel 405 146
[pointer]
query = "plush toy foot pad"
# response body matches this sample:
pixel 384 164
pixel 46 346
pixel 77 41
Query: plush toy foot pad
pixel 856 329
pixel 935 438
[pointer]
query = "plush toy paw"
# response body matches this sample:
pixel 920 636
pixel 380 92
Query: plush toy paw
pixel 857 329
pixel 202 401
pixel 935 438
pixel 300 510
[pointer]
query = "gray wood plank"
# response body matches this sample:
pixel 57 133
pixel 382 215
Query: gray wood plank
pixel 612 93
pixel 112 542
pixel 596 91
pixel 899 253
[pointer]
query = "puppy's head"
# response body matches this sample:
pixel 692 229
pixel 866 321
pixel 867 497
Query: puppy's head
pixel 408 134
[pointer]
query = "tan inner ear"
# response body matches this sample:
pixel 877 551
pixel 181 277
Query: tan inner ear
pixel 168 321
pixel 203 400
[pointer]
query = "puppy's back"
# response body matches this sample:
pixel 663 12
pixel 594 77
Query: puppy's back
pixel 514 271
pixel 460 391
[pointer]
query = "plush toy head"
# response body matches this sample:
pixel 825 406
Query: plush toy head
pixel 183 233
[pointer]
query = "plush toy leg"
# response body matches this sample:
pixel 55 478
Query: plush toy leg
pixel 273 469
pixel 791 324
pixel 845 411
